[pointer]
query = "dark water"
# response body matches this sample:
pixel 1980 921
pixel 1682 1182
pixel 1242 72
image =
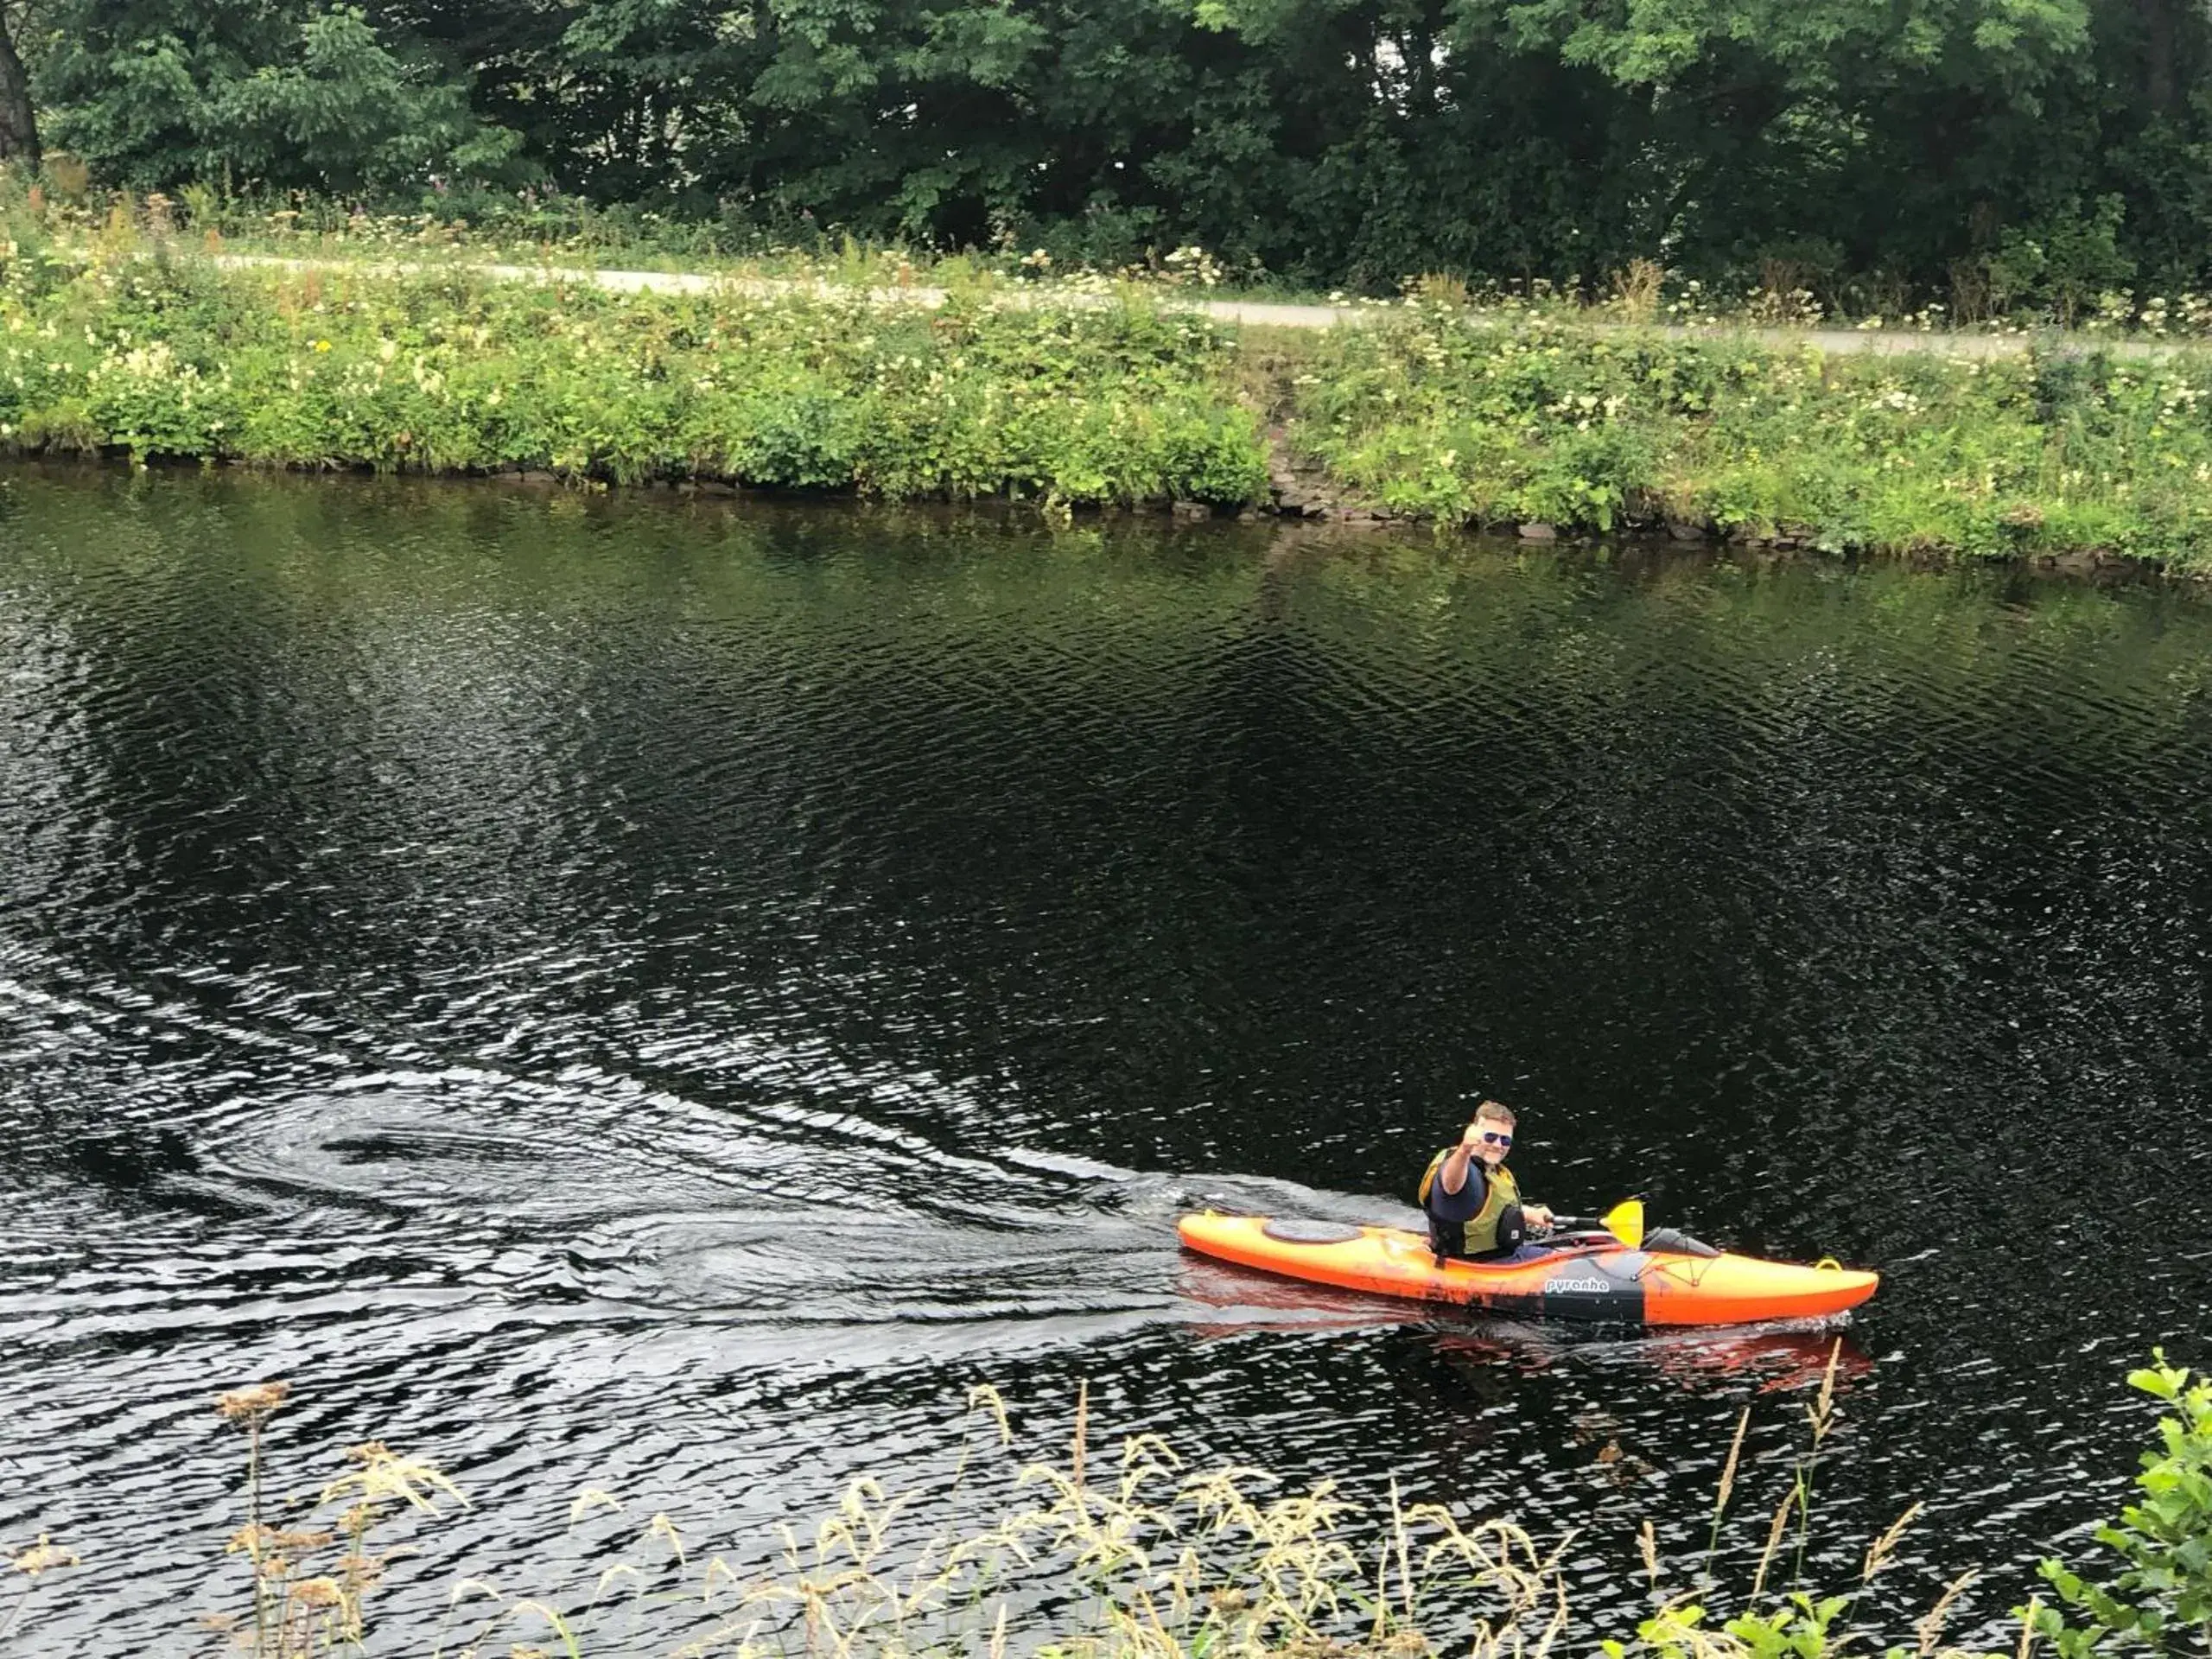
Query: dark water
pixel 665 998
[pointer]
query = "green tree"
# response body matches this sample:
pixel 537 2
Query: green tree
pixel 19 140
pixel 2045 150
pixel 158 92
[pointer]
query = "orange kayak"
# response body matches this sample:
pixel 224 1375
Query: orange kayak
pixel 1582 1278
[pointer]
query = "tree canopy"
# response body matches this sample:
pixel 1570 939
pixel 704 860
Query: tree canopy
pixel 1988 147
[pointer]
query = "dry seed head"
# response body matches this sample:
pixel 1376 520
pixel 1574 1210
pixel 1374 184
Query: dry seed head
pixel 619 1570
pixel 385 1475
pixel 588 1500
pixel 1728 1469
pixel 662 1527
pixel 1789 1498
pixel 983 1395
pixel 252 1538
pixel 43 1557
pixel 1082 1430
pixel 1879 1552
pixel 1931 1627
pixel 254 1403
pixel 1647 1541
pixel 559 1626
pixel 1820 1410
pixel 317 1592
pixel 1558 1622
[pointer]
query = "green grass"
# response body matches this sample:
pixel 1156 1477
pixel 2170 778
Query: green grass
pixel 1477 420
pixel 166 356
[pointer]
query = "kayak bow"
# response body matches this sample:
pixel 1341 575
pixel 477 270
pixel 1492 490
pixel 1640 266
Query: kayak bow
pixel 1582 1278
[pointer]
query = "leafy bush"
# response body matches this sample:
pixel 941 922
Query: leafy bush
pixel 2161 1599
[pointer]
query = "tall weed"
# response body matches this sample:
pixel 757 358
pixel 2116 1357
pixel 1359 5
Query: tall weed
pixel 1125 1551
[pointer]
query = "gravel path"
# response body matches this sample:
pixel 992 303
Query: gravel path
pixel 1259 313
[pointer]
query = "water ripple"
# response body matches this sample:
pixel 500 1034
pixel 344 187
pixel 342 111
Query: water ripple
pixel 637 995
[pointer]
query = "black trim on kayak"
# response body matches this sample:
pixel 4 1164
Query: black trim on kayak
pixel 1603 1285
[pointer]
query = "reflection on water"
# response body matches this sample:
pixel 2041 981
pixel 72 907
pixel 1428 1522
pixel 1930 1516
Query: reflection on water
pixel 666 998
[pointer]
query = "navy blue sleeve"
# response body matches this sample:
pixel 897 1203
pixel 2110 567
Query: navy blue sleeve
pixel 1467 1202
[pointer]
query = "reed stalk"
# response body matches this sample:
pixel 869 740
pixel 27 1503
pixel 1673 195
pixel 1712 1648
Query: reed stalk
pixel 1819 1414
pixel 252 1406
pixel 1727 1486
pixel 1792 1495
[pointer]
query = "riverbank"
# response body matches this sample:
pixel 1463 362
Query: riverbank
pixel 1428 413
pixel 158 356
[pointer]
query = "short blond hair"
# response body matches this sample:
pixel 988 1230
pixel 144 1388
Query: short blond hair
pixel 1494 1111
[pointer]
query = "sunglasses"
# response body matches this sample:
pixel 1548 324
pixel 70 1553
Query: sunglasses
pixel 1492 1139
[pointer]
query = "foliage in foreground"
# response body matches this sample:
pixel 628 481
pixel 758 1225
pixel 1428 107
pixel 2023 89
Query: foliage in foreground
pixel 1505 421
pixel 162 357
pixel 2161 1599
pixel 1152 1561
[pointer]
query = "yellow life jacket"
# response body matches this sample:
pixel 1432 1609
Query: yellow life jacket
pixel 1478 1234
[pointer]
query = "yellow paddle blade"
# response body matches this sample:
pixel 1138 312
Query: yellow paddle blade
pixel 1624 1221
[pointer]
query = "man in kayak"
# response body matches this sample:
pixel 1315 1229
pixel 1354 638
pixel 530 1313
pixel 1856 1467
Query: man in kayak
pixel 1473 1203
